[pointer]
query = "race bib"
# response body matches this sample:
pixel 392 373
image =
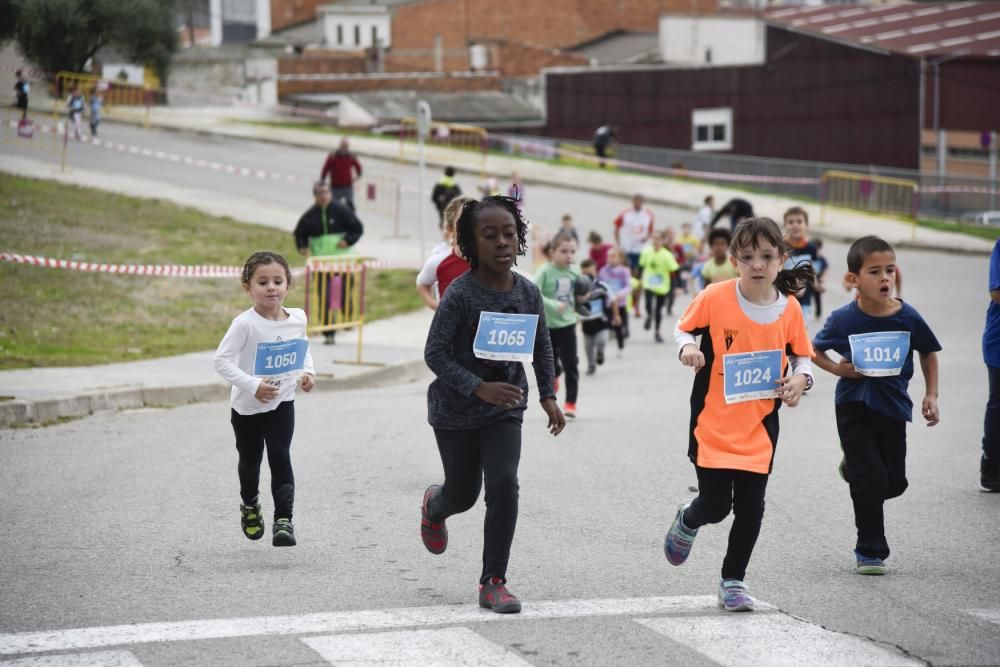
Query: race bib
pixel 278 360
pixel 596 306
pixel 654 280
pixel 880 354
pixel 505 337
pixel 751 375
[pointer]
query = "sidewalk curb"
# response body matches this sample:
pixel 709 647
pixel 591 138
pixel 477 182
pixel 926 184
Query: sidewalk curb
pixel 552 182
pixel 21 412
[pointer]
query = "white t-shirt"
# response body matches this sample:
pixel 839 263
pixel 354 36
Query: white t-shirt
pixel 634 228
pixel 701 221
pixel 236 356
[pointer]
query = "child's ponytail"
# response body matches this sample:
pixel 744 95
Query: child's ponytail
pixel 790 281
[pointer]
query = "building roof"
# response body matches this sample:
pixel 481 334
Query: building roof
pixel 308 33
pixel 484 108
pixel 912 29
pixel 619 47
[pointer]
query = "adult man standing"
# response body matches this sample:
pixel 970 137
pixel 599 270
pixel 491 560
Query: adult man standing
pixel 989 467
pixel 633 228
pixel 602 139
pixel 343 169
pixel 327 228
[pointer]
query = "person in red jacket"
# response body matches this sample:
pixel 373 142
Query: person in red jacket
pixel 343 169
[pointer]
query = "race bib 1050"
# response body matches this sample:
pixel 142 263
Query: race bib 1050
pixel 880 354
pixel 505 337
pixel 280 358
pixel 751 375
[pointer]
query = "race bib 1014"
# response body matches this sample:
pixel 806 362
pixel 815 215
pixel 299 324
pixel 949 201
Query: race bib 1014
pixel 505 337
pixel 880 354
pixel 751 375
pixel 282 358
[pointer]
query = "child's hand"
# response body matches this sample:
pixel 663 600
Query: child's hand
pixel 929 409
pixel 563 306
pixel 307 382
pixel 265 391
pixel 616 320
pixel 790 389
pixel 557 421
pixel 845 369
pixel 499 393
pixel 692 356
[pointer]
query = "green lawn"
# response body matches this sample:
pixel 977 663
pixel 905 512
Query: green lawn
pixel 59 317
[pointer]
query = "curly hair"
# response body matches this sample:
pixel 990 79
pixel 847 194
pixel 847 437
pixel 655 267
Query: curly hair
pixel 466 235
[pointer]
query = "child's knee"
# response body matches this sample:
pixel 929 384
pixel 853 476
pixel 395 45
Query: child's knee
pixel 714 510
pixel 896 487
pixel 504 486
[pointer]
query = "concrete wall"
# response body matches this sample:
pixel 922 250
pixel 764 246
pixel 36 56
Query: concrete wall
pixel 711 40
pixel 211 78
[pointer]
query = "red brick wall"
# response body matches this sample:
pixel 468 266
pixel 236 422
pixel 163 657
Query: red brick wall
pixel 431 83
pixel 285 13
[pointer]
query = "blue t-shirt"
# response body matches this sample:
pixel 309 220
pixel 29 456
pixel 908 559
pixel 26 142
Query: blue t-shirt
pixel 885 394
pixel 991 334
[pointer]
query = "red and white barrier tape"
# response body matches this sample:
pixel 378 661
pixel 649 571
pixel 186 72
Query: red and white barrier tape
pixel 178 270
pixel 973 189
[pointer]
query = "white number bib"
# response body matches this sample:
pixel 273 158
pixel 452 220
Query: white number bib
pixel 751 375
pixel 505 337
pixel 880 354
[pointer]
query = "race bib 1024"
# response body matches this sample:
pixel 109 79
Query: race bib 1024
pixel 880 354
pixel 282 358
pixel 751 375
pixel 505 337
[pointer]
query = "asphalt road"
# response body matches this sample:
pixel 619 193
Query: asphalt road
pixel 125 527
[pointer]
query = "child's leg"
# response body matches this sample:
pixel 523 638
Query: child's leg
pixel 892 446
pixel 250 445
pixel 278 427
pixel 715 498
pixel 590 348
pixel 500 450
pixel 463 475
pixel 650 297
pixel 554 339
pixel 660 300
pixel 670 298
pixel 623 312
pixel 602 342
pixel 867 476
pixel 748 511
pixel 570 361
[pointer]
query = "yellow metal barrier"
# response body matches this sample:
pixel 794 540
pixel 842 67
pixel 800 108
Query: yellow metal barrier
pixel 451 135
pixel 865 192
pixel 335 295
pixel 120 99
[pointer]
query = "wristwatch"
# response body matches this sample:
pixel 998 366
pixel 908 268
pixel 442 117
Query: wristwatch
pixel 809 383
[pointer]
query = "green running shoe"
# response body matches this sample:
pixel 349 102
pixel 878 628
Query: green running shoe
pixel 283 533
pixel 252 520
pixel 868 564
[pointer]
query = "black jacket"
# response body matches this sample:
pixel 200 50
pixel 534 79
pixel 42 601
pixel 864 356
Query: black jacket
pixel 339 220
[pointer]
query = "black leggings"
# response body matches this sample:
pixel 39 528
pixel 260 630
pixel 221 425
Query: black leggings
pixel 874 447
pixel 720 491
pixel 657 312
pixel 621 332
pixel 564 351
pixel 272 430
pixel 492 451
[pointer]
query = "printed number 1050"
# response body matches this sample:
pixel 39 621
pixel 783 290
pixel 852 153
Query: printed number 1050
pixel 280 360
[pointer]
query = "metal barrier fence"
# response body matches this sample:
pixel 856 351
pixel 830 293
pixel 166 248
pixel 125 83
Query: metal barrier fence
pixel 450 135
pixel 335 295
pixel 876 194
pixel 119 99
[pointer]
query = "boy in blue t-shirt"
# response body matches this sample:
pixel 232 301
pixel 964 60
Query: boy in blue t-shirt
pixel 989 467
pixel 876 335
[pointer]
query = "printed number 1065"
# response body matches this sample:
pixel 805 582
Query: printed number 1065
pixel 504 337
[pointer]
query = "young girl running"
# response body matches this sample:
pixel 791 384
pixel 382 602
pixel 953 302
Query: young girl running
pixel 476 405
pixel 265 355
pixel 557 283
pixel 443 267
pixel 741 378
pixel 619 279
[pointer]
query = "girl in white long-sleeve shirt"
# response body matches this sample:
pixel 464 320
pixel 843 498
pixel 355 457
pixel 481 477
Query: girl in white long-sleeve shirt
pixel 265 355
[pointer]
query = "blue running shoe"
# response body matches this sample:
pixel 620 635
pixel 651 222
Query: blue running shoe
pixel 869 564
pixel 733 596
pixel 677 544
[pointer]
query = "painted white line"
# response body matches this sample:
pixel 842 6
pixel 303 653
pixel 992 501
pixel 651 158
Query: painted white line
pixel 452 647
pixel 991 615
pixel 772 640
pixel 346 621
pixel 99 659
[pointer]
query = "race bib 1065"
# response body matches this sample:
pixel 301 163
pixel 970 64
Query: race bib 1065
pixel 505 337
pixel 880 354
pixel 280 358
pixel 751 375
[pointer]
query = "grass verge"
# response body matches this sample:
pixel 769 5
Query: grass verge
pixel 71 318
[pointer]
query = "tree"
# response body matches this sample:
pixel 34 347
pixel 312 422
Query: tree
pixel 59 35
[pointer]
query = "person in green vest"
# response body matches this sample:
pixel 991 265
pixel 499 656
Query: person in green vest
pixel 657 264
pixel 444 191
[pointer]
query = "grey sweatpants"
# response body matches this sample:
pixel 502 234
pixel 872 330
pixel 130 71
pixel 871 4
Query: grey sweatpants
pixel 592 344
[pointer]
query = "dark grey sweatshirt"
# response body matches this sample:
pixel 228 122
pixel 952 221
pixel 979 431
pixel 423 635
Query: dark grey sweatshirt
pixel 451 404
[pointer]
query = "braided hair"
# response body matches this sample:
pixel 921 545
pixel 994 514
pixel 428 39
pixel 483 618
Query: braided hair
pixel 465 228
pixel 751 232
pixel 263 258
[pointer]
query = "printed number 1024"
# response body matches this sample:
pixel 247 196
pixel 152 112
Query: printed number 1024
pixel 751 376
pixel 504 337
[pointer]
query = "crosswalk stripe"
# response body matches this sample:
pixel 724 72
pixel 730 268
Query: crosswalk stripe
pixel 346 621
pixel 772 640
pixel 97 659
pixel 451 647
pixel 991 615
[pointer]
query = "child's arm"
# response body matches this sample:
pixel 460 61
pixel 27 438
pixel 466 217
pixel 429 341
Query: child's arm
pixel 929 406
pixel 438 354
pixel 843 368
pixel 427 294
pixel 226 364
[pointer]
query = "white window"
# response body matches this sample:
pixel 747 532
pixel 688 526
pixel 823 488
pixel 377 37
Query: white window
pixel 712 129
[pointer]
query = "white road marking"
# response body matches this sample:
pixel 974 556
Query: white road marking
pixel 991 615
pixel 345 621
pixel 98 659
pixel 452 647
pixel 772 640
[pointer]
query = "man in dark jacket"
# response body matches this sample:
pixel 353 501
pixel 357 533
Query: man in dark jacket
pixel 444 191
pixel 342 168
pixel 327 217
